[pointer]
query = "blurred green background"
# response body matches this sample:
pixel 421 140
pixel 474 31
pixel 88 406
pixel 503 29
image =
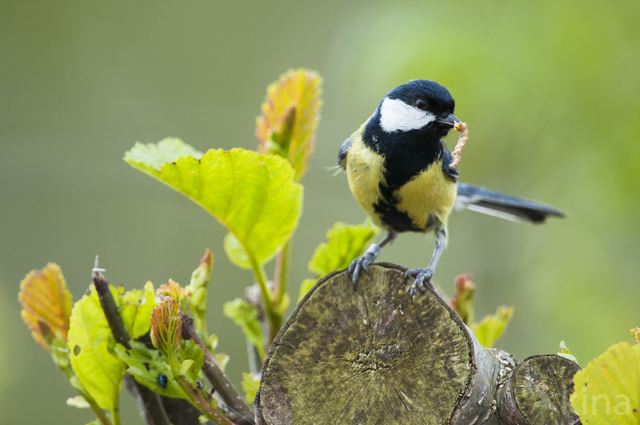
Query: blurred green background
pixel 550 90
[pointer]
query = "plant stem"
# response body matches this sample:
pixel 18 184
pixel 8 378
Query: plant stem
pixel 102 417
pixel 214 373
pixel 281 274
pixel 275 318
pixel 202 404
pixel 115 415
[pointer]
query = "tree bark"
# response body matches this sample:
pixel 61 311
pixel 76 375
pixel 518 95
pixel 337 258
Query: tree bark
pixel 371 356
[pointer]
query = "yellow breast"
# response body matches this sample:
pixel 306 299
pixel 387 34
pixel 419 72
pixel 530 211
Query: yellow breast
pixel 364 174
pixel 429 193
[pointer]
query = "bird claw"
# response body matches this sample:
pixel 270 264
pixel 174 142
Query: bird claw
pixel 422 278
pixel 361 263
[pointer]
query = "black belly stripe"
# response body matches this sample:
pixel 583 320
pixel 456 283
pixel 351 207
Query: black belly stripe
pixel 395 220
pixel 399 221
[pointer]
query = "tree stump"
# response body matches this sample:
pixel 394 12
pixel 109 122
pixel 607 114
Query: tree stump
pixel 538 392
pixel 371 356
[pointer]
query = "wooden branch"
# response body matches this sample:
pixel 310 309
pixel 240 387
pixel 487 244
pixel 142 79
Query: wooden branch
pixel 539 392
pixel 372 356
pixel 239 409
pixel 147 400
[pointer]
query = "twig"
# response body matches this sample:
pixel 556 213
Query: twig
pixel 220 381
pixel 202 404
pixel 154 412
pixel 142 395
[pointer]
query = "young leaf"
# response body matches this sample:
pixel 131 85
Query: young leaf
pixel 166 326
pixel 193 355
pixel 136 310
pixel 290 115
pixel 185 366
pixel 198 290
pixel 344 243
pixel 46 304
pixel 462 301
pixel 491 327
pixel 607 391
pixel 223 359
pixel 564 352
pixel 147 367
pixel 176 292
pixel 250 387
pixel 245 315
pixel 99 371
pixel 253 195
pixel 636 334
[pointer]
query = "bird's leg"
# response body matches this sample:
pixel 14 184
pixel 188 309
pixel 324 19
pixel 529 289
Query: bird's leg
pixel 422 277
pixel 368 257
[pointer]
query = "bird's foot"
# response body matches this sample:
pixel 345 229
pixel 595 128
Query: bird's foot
pixel 361 263
pixel 422 278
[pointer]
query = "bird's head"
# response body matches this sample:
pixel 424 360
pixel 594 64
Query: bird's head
pixel 418 105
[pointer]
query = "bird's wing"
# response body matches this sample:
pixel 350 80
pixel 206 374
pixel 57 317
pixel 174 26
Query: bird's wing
pixel 447 159
pixel 342 155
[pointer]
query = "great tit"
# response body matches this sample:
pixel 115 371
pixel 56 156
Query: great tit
pixel 399 172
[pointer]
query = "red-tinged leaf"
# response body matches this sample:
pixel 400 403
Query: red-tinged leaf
pixel 46 303
pixel 176 292
pixel 166 325
pixel 290 115
pixel 462 301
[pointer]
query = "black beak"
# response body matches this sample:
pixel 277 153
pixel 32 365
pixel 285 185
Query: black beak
pixel 449 121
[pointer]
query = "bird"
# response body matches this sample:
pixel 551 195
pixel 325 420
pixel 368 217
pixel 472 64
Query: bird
pixel 399 171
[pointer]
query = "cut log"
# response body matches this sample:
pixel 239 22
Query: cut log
pixel 371 356
pixel 539 391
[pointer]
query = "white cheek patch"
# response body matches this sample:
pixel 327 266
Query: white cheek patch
pixel 396 115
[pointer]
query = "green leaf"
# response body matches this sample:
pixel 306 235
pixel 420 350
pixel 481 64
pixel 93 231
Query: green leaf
pixel 99 371
pixel 290 116
pixel 136 311
pixel 305 286
pixel 564 352
pixel 491 327
pixel 250 387
pixel 46 304
pixel 344 243
pixel 245 315
pixel 607 391
pixel 146 366
pixel 193 356
pixel 253 195
pixel 155 155
pixel 185 366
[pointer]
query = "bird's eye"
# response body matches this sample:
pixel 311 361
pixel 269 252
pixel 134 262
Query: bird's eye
pixel 421 104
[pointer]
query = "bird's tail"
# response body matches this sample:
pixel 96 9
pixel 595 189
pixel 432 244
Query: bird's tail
pixel 501 205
